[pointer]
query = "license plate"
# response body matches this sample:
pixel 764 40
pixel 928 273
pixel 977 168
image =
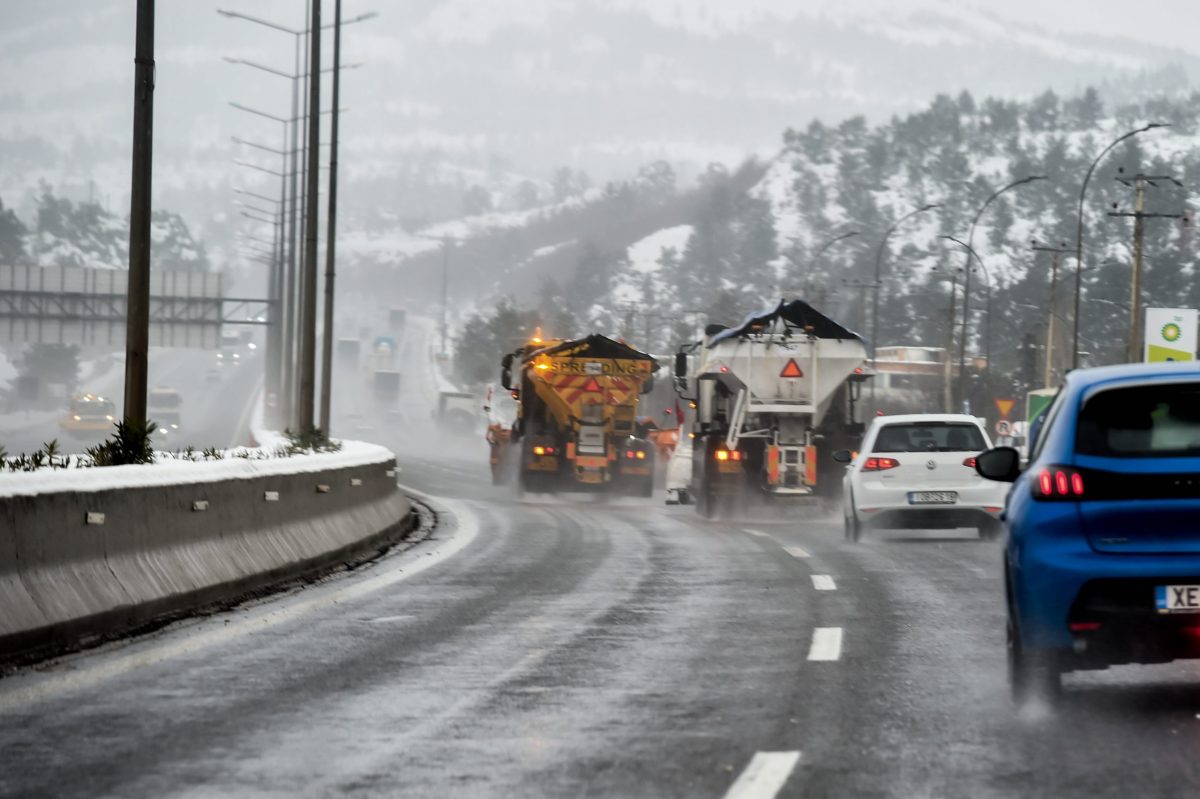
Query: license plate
pixel 1177 598
pixel 932 497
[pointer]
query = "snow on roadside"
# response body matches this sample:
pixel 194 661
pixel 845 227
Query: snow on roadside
pixel 183 472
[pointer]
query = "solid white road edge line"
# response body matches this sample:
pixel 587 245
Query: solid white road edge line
pixel 826 644
pixel 758 533
pixel 79 673
pixel 823 582
pixel 764 776
pixel 796 552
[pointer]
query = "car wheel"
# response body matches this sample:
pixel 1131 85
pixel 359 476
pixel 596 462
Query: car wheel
pixel 852 526
pixel 1032 677
pixel 989 530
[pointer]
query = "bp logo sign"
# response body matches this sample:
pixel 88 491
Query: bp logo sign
pixel 1171 334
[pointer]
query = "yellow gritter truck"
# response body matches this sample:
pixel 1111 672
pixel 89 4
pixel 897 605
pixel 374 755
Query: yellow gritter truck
pixel 577 408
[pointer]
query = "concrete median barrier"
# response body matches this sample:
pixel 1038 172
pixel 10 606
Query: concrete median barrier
pixel 86 556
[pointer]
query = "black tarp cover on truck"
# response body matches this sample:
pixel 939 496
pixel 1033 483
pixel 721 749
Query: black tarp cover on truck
pixel 797 314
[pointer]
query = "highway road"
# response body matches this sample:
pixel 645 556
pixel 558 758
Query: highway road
pixel 216 402
pixel 571 646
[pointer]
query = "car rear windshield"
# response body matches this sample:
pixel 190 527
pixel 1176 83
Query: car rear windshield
pixel 1161 420
pixel 930 437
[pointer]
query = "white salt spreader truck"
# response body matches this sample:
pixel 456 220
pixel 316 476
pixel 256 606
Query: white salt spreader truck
pixel 774 397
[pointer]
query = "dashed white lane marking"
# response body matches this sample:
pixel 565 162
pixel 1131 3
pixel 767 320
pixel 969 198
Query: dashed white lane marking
pixel 764 776
pixel 826 644
pixel 758 533
pixel 23 689
pixel 823 582
pixel 796 552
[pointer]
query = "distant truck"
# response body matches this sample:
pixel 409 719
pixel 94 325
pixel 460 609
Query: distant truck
pixel 577 407
pixel 775 396
pixel 163 408
pixel 383 375
pixel 458 412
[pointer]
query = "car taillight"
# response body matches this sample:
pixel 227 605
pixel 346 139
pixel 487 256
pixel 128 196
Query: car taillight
pixel 1058 482
pixel 879 464
pixel 969 462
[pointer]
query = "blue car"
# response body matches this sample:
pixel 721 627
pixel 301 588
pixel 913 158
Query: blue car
pixel 1102 562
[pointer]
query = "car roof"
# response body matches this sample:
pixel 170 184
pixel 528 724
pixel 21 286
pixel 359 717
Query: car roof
pixel 1132 371
pixel 927 417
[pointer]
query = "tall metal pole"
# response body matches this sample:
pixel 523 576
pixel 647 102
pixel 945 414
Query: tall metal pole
pixel 1135 280
pixel 288 389
pixel 1079 233
pixel 331 234
pixel 962 345
pixel 308 306
pixel 137 322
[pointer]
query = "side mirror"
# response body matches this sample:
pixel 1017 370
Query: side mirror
pixel 506 371
pixel 843 456
pixel 1002 464
pixel 680 364
pixel 647 386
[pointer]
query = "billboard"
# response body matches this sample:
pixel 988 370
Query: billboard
pixel 1170 335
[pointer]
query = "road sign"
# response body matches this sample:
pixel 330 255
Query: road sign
pixel 1003 427
pixel 1005 406
pixel 1170 334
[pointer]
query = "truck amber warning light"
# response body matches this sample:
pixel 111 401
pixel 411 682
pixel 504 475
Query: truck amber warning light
pixel 791 369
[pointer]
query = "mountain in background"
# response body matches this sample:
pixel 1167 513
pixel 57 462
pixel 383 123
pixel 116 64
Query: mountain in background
pixel 458 95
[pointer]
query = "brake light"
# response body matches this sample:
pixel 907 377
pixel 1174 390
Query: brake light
pixel 969 462
pixel 1059 482
pixel 1084 626
pixel 729 455
pixel 543 450
pixel 880 464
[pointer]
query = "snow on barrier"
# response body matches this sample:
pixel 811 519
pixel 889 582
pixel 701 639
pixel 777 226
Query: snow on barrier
pixel 91 553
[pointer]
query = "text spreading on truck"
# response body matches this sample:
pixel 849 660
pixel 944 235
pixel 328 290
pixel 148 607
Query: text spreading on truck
pixel 577 404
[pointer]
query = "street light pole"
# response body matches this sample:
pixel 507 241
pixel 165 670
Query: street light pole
pixel 962 346
pixel 1055 252
pixel 308 304
pixel 1079 231
pixel 987 335
pixel 331 234
pixel 137 322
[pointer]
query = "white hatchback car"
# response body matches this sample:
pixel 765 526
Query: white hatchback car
pixel 917 471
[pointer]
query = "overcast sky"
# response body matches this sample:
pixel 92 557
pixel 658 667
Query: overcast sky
pixel 599 84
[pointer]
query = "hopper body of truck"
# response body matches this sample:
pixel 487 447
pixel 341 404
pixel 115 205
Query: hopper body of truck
pixel 774 397
pixel 577 407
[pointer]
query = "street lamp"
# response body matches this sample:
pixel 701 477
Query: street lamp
pixel 987 335
pixel 1079 230
pixel 962 347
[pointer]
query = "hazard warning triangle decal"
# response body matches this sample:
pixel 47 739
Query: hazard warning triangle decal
pixel 592 385
pixel 792 369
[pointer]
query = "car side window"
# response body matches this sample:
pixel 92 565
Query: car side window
pixel 1052 415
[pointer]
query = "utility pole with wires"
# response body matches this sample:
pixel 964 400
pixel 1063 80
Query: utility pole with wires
pixel 1051 303
pixel 1138 183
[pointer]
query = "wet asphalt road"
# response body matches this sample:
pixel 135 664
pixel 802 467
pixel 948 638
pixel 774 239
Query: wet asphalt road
pixel 576 647
pixel 567 647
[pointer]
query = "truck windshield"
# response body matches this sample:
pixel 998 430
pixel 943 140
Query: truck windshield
pixel 1161 420
pixel 929 437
